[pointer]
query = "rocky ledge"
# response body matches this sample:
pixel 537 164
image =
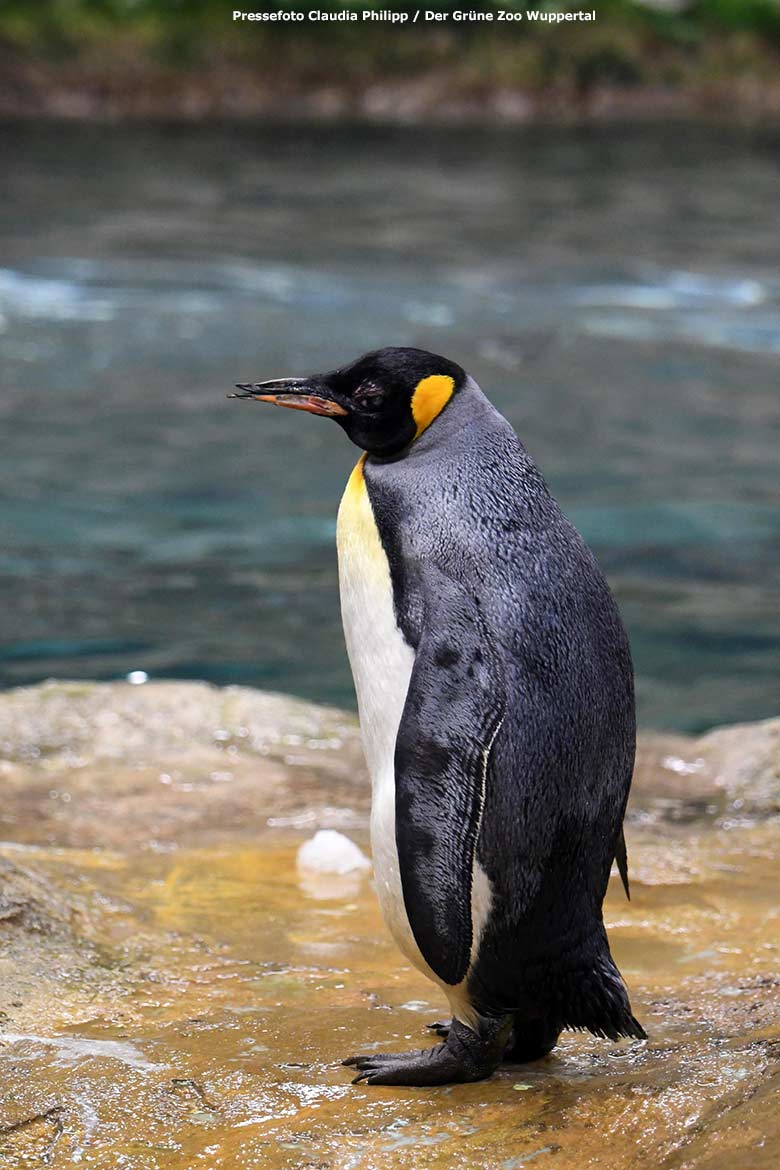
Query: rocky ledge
pixel 174 987
pixel 111 765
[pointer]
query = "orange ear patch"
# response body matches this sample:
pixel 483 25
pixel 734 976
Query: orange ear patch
pixel 430 397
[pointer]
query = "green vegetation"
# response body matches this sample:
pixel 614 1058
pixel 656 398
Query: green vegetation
pixel 676 44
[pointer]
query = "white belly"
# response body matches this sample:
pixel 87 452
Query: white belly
pixel 381 662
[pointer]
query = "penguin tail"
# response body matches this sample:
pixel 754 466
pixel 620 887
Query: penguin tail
pixel 595 999
pixel 621 857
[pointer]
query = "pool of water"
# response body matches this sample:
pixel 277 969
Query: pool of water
pixel 179 984
pixel 615 291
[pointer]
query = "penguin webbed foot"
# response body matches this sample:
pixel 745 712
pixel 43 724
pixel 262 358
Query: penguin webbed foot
pixel 428 1066
pixel 465 1055
pixel 528 1041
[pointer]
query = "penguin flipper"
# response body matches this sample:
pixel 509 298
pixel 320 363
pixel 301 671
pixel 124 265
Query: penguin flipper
pixel 453 711
pixel 621 857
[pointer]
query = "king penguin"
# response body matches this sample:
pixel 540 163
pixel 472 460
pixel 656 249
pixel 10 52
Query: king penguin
pixel 495 694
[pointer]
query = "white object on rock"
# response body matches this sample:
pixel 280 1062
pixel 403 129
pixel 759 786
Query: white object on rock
pixel 332 853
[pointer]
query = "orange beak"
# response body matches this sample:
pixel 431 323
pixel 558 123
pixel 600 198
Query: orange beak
pixel 294 393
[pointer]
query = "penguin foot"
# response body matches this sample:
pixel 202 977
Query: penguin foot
pixel 530 1041
pixel 526 1042
pixel 466 1055
pixel 431 1066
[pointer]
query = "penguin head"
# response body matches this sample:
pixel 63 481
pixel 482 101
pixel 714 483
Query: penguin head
pixel 384 400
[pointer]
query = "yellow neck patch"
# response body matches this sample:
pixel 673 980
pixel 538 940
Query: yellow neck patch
pixel 356 483
pixel 430 397
pixel 360 549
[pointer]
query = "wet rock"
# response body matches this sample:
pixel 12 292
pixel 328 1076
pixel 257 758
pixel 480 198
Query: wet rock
pixel 47 942
pixel 744 763
pixel 111 765
pixel 27 902
pixel 174 987
pixel 68 724
pixel 729 771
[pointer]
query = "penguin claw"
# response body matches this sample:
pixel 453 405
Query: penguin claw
pixel 372 1057
pixel 428 1066
pixel 466 1055
pixel 440 1028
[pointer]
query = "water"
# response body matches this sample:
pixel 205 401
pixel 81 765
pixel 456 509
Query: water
pixel 615 291
pixel 176 991
pixel 231 993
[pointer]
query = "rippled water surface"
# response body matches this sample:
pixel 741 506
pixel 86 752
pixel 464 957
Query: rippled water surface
pixel 616 292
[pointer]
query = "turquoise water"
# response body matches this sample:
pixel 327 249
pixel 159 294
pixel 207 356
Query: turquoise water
pixel 615 291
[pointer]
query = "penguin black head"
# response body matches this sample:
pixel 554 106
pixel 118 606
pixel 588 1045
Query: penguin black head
pixel 384 400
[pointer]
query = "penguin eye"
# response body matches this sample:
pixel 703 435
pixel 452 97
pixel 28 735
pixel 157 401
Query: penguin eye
pixel 368 394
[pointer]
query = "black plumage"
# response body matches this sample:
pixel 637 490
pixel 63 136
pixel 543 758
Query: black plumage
pixel 515 748
pixel 513 625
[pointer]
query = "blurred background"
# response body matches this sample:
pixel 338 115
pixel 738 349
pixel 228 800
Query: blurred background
pixel 187 204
